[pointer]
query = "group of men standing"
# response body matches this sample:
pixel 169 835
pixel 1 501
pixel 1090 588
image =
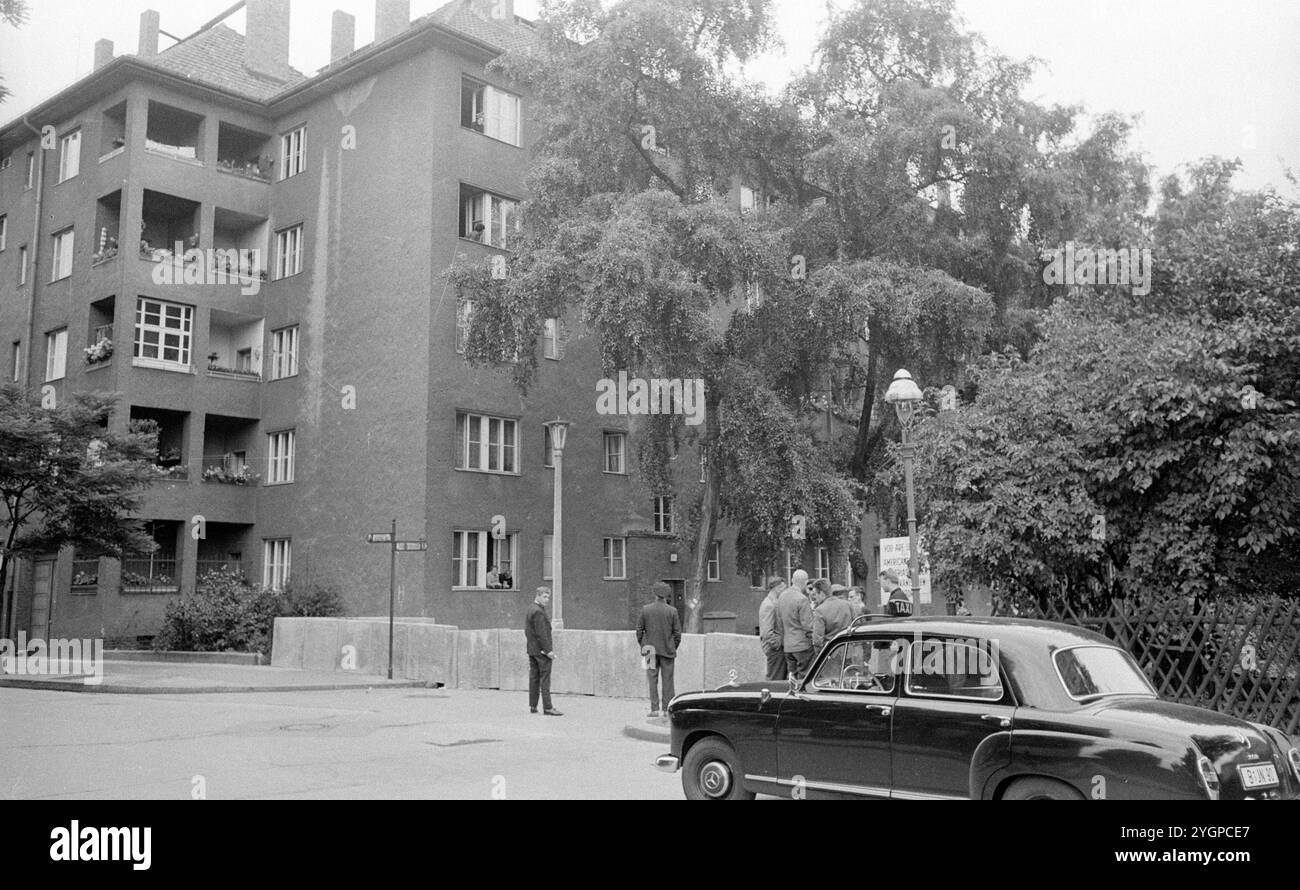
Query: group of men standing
pixel 795 620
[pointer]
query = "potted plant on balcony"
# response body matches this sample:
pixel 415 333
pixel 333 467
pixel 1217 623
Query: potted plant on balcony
pixel 241 476
pixel 100 351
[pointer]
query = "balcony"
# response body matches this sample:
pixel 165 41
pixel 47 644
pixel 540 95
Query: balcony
pixel 235 342
pixel 174 133
pixel 108 215
pixel 150 574
pixel 243 152
pixel 112 132
pixel 85 576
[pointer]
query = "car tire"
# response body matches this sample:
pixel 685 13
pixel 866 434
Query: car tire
pixel 712 772
pixel 1040 789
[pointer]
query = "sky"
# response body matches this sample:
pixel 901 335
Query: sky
pixel 1207 77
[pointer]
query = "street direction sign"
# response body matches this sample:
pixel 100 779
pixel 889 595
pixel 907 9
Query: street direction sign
pixel 411 545
pixel 379 538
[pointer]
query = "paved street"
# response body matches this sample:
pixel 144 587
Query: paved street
pixel 340 744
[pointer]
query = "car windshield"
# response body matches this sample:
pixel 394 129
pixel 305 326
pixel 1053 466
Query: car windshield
pixel 1094 671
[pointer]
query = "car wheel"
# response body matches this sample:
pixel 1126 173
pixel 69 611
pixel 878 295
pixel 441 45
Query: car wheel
pixel 712 772
pixel 1040 789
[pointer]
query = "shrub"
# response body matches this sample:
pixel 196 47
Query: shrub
pixel 226 613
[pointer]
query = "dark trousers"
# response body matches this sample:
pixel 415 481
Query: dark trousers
pixel 663 667
pixel 539 680
pixel 776 669
pixel 797 662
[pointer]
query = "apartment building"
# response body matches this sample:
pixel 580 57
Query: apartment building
pixel 254 259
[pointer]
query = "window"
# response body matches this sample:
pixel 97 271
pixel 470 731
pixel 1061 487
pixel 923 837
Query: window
pixel 69 155
pixel 748 199
pixel 490 111
pixel 275 562
pixel 479 560
pixel 615 448
pixel 279 457
pixel 293 159
pixel 715 562
pixel 31 170
pixel 464 317
pixel 288 252
pixel 753 295
pixel 664 515
pixel 56 354
pixel 487 218
pixel 164 332
pixel 1095 671
pixel 63 245
pixel 756 578
pixel 4 230
pixel 548 455
pixel 548 560
pixel 486 444
pixel 550 335
pixel 960 668
pixel 861 666
pixel 615 558
pixel 22 265
pixel 284 353
pixel 18 359
pixel 823 563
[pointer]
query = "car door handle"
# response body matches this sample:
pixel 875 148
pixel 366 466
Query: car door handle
pixel 882 710
pixel 1004 722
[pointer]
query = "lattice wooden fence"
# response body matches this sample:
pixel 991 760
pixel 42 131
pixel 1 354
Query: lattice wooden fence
pixel 1239 658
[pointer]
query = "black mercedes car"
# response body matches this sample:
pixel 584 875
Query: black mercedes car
pixel 945 708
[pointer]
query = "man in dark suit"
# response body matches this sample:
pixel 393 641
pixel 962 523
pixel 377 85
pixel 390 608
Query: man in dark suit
pixel 659 633
pixel 541 653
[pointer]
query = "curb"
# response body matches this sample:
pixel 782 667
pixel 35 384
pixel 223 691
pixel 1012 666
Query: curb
pixel 647 732
pixel 117 689
pixel 162 656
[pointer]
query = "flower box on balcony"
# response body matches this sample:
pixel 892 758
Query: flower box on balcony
pixel 101 351
pixel 244 476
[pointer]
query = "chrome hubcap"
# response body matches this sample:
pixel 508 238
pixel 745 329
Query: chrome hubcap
pixel 715 778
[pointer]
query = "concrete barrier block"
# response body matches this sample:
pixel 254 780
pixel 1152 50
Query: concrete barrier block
pixel 431 652
pixel 288 637
pixel 575 670
pixel 688 673
pixel 363 647
pixel 478 660
pixel 724 653
pixel 513 660
pixel 618 665
pixel 321 644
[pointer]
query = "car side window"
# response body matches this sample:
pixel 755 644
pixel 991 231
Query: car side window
pixel 954 669
pixel 860 666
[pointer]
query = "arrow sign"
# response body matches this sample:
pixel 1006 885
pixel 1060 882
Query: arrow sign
pixel 379 538
pixel 411 545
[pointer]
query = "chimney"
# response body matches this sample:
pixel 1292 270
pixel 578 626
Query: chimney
pixel 266 43
pixel 103 53
pixel 148 33
pixel 343 35
pixel 391 17
pixel 502 11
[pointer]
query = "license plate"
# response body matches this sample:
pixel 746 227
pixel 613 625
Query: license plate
pixel 1258 776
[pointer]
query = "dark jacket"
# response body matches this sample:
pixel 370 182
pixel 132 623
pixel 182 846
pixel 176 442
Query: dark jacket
pixel 659 626
pixel 537 630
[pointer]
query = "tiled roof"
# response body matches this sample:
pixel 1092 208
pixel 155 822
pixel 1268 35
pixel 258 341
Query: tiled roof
pixel 460 15
pixel 216 57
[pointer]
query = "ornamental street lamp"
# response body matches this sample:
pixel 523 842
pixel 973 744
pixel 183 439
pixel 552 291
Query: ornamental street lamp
pixel 905 396
pixel 559 430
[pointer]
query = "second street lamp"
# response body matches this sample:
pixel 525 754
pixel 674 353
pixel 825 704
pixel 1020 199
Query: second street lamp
pixel 905 396
pixel 559 430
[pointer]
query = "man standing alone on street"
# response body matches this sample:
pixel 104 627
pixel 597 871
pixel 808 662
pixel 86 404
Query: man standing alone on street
pixel 659 633
pixel 769 630
pixel 541 652
pixel 796 616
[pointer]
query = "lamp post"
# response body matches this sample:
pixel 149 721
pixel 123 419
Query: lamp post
pixel 905 395
pixel 559 430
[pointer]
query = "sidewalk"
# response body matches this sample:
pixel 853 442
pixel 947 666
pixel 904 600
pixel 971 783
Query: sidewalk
pixel 154 678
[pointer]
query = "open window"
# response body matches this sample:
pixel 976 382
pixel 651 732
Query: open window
pixel 487 217
pixel 490 111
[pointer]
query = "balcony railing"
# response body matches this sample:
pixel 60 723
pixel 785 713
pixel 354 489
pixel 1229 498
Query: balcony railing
pixel 205 566
pixel 251 169
pixel 150 574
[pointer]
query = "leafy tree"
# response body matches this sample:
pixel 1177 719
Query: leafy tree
pixel 14 14
pixel 66 480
